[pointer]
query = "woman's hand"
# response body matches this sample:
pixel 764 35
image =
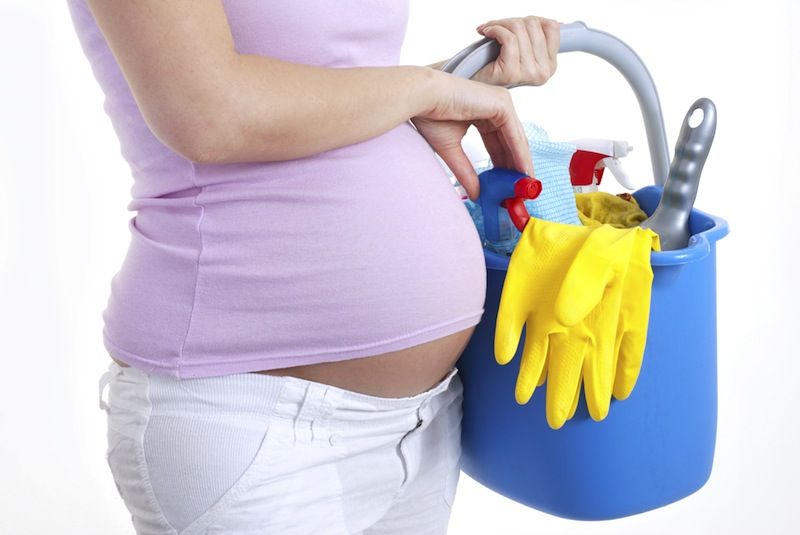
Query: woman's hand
pixel 528 50
pixel 459 103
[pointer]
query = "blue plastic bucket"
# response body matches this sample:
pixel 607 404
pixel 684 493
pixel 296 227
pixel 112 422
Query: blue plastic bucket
pixel 654 448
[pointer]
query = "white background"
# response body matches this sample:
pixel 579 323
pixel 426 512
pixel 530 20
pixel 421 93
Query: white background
pixel 64 188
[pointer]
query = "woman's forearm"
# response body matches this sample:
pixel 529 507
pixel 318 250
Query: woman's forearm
pixel 275 110
pixel 211 104
pixel 438 65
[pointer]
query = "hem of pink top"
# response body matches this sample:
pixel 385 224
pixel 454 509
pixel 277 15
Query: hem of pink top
pixel 188 370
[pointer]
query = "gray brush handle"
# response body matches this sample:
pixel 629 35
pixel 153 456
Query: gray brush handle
pixel 671 218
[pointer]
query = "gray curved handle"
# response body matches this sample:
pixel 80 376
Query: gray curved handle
pixel 578 37
pixel 670 220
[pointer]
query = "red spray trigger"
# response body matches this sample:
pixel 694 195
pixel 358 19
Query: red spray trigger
pixel 582 168
pixel 524 188
pixel 527 188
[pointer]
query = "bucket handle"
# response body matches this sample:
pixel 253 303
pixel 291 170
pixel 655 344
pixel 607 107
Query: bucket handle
pixel 577 37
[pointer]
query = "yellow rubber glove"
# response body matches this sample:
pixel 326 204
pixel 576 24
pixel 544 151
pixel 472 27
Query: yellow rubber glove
pixel 535 272
pixel 634 313
pixel 604 258
pixel 538 265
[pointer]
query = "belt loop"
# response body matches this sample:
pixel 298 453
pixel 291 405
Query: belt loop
pixel 311 408
pixel 299 414
pixel 319 427
pixel 308 398
pixel 105 379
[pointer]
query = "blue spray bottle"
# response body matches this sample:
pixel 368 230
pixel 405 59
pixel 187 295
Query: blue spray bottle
pixel 502 196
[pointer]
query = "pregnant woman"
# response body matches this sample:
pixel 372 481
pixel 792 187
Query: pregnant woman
pixel 301 276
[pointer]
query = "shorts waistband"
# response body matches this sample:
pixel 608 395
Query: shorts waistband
pixel 236 393
pixel 260 392
pixel 374 402
pixel 352 415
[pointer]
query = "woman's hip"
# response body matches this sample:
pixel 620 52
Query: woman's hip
pixel 249 451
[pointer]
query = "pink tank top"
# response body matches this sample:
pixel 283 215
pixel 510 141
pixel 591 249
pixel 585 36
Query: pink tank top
pixel 231 268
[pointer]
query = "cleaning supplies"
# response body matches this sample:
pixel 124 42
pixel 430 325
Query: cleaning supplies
pixel 671 218
pixel 551 165
pixel 536 271
pixel 592 157
pixel 556 201
pixel 502 192
pixel 634 314
pixel 656 447
pixel 598 207
pixel 623 311
pixel 568 285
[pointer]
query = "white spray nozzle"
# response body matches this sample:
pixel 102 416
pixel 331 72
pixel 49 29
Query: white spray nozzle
pixel 621 149
pixel 614 165
pixel 615 149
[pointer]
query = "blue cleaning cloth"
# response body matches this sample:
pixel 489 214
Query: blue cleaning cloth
pixel 555 203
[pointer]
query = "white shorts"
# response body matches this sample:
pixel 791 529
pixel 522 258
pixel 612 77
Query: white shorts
pixel 260 454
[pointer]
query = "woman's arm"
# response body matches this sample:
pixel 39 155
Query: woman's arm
pixel 438 65
pixel 212 105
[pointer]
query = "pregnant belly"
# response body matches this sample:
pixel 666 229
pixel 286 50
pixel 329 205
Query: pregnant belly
pixel 324 266
pixel 418 231
pixel 402 373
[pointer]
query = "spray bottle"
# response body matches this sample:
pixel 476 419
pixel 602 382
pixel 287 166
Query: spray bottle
pixel 590 160
pixel 502 200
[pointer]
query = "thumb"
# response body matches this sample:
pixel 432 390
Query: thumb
pixel 456 159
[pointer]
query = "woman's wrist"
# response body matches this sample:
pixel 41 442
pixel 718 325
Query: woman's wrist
pixel 428 94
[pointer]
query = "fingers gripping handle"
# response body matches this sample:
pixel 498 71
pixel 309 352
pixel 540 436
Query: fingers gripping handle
pixel 577 37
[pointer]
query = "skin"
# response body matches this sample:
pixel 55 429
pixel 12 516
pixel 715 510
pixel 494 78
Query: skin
pixel 528 51
pixel 211 104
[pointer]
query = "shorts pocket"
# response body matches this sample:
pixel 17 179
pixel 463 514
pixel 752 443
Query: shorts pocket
pixel 127 414
pixel 198 463
pixel 126 461
pixel 174 467
pixel 189 494
pixel 264 455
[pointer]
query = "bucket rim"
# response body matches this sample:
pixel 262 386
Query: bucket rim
pixel 700 244
pixel 699 247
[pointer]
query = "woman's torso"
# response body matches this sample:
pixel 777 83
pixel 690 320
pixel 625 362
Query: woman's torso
pixel 305 265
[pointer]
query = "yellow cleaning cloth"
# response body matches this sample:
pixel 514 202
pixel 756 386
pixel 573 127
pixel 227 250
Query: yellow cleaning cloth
pixel 599 207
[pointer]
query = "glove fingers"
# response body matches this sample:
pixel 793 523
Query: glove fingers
pixel 543 375
pixel 635 315
pixel 515 304
pixel 531 368
pixel 630 364
pixel 598 380
pixel 601 356
pixel 508 330
pixel 629 361
pixel 565 363
pixel 575 401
